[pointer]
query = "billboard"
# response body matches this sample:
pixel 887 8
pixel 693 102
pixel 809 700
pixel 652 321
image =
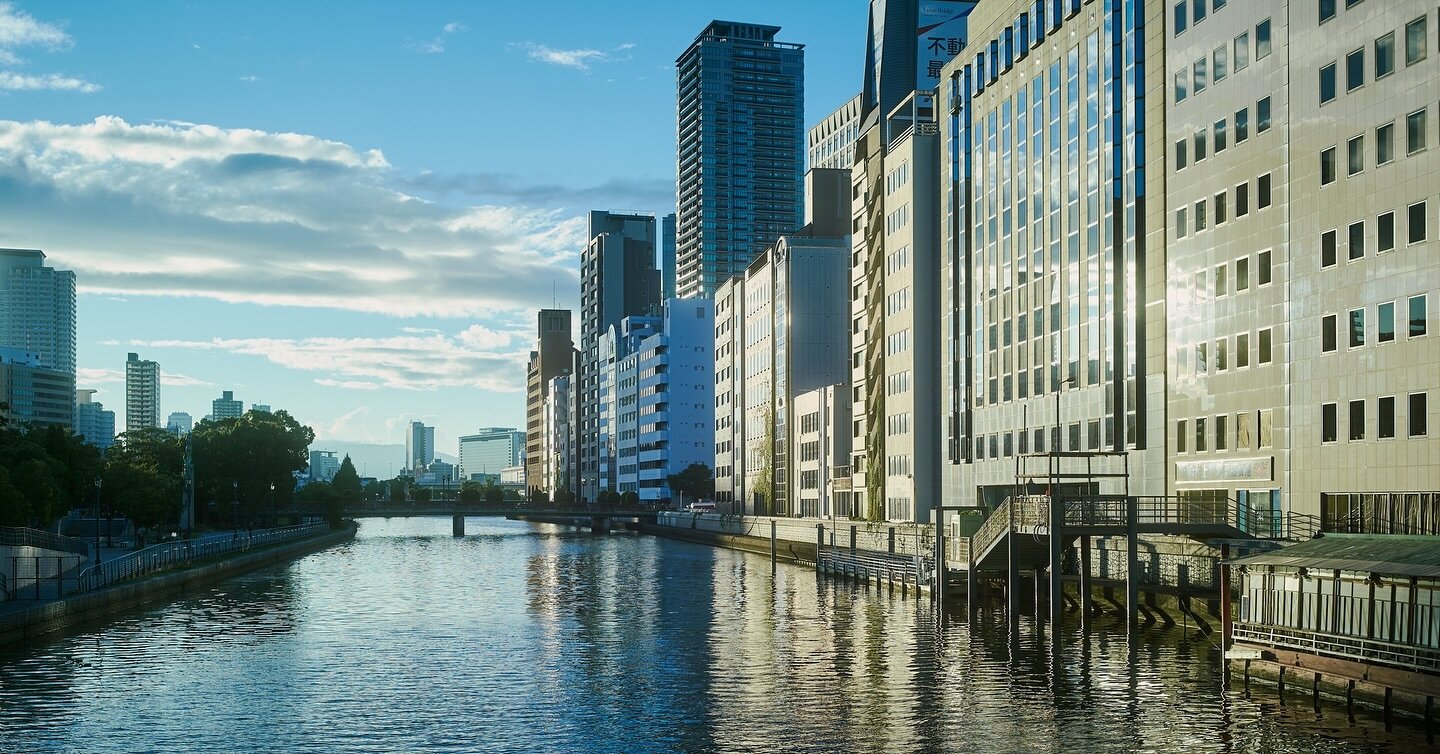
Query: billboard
pixel 940 35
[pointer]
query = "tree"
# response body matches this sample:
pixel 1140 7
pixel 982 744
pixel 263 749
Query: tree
pixel 143 476
pixel 241 458
pixel 539 498
pixel 420 494
pixel 346 482
pixel 564 498
pixel 494 495
pixel 630 500
pixel 765 479
pixel 696 482
pixel 470 493
pixel 14 509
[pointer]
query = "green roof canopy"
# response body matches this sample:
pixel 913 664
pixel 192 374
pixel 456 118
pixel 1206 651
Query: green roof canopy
pixel 1389 554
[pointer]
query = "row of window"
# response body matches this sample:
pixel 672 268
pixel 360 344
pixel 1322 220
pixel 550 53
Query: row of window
pixel 1416 140
pixel 1196 10
pixel 1238 282
pixel 1201 138
pixel 1416 231
pixel 1096 434
pixel 1262 354
pixel 1417 48
pixel 1414 311
pixel 897 424
pixel 1240 434
pixel 895 343
pixel 898 301
pixel 1221 206
pixel 1231 57
pixel 1385 419
pixel 898 383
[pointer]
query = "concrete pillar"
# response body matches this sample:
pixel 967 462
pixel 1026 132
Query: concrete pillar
pixel 457 525
pixel 1132 564
pixel 819 544
pixel 972 582
pixel 1057 554
pixel 772 540
pixel 1085 602
pixel 1226 620
pixel 1012 566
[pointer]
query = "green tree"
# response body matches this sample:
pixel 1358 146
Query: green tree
pixel 346 482
pixel 420 494
pixel 695 482
pixel 397 489
pixel 494 495
pixel 630 500
pixel 143 477
pixel 14 508
pixel 539 498
pixel 241 458
pixel 564 498
pixel 470 493
pixel 765 479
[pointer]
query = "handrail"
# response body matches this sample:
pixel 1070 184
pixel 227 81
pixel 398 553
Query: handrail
pixel 169 554
pixel 20 536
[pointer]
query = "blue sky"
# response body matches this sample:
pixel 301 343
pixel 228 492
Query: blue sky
pixel 350 210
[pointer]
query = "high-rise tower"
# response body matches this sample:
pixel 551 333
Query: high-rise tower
pixel 740 150
pixel 142 393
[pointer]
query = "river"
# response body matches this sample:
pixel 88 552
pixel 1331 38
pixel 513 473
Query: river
pixel 534 638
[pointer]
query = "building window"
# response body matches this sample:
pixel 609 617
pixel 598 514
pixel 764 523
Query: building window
pixel 1417 219
pixel 1180 154
pixel 1197 10
pixel 1385 229
pixel 1327 248
pixel 1219 136
pixel 1416 43
pixel 1327 333
pixel 1357 328
pixel 1222 360
pixel 1242 124
pixel 1219 208
pixel 1327 10
pixel 1265 436
pixel 1200 435
pixel 1417 316
pixel 1181 227
pixel 1242 52
pixel 1417 415
pixel 1199 145
pixel 1357 240
pixel 1199 215
pixel 1202 364
pixel 1327 83
pixel 1263 344
pixel 1262 268
pixel 1242 274
pixel 1328 430
pixel 1242 431
pixel 1242 350
pixel 1262 191
pixel 1415 140
pixel 1222 431
pixel 1182 17
pixel 1385 143
pixel 1200 75
pixel 1181 87
pixel 1355 155
pixel 1385 322
pixel 1220 63
pixel 1385 55
pixel 1262 39
pixel 1357 420
pixel 1262 116
pixel 1180 436
pixel 1242 200
pixel 1355 69
pixel 1327 166
pixel 1221 282
pixel 1385 418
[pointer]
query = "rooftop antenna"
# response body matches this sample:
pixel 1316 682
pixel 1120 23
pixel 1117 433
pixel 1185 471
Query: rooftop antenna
pixel 554 302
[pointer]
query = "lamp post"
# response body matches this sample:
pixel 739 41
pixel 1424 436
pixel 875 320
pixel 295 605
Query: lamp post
pixel 235 507
pixel 97 520
pixel 272 504
pixel 1058 389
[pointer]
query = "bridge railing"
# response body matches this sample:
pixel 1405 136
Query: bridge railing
pixel 171 554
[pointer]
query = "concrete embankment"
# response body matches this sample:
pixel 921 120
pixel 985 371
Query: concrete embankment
pixel 785 551
pixel 23 624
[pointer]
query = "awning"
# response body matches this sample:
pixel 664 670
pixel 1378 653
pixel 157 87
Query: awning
pixel 1386 554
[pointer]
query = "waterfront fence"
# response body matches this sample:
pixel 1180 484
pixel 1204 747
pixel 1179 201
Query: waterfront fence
pixel 171 554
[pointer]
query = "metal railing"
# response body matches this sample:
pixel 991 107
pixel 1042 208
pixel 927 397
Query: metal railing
pixel 20 536
pixel 1405 656
pixel 171 554
pixel 871 565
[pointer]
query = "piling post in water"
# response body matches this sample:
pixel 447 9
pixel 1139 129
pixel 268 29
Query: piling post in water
pixel 1086 604
pixel 1226 620
pixel 1057 541
pixel 772 541
pixel 972 582
pixel 1132 564
pixel 819 544
pixel 457 525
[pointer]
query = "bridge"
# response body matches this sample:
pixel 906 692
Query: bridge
pixel 600 520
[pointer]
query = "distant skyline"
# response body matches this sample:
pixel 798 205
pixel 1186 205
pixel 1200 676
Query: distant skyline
pixel 349 211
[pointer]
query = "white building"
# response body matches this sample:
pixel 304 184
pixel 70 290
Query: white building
pixel 179 423
pixel 92 421
pixel 490 450
pixel 419 447
pixel 323 465
pixel 227 406
pixel 558 465
pixel 820 476
pixel 142 393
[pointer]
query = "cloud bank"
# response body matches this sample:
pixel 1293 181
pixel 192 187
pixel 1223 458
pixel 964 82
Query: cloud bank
pixel 18 30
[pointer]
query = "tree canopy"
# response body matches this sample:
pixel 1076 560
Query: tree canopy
pixel 696 482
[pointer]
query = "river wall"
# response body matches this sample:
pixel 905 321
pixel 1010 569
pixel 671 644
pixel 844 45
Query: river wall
pixel 28 623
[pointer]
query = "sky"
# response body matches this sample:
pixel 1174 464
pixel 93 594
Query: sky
pixel 348 210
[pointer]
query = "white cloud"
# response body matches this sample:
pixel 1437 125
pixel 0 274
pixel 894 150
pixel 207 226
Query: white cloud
pixel 579 59
pixel 437 45
pixel 102 376
pixel 242 215
pixel 250 79
pixel 20 29
pixel 400 362
pixel 21 82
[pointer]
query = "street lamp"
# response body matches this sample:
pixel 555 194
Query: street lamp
pixel 1058 388
pixel 272 504
pixel 235 507
pixel 97 520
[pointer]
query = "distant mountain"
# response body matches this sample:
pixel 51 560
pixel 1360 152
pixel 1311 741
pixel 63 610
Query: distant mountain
pixel 373 459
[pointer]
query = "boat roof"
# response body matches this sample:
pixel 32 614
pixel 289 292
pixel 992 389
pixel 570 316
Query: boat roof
pixel 1391 554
